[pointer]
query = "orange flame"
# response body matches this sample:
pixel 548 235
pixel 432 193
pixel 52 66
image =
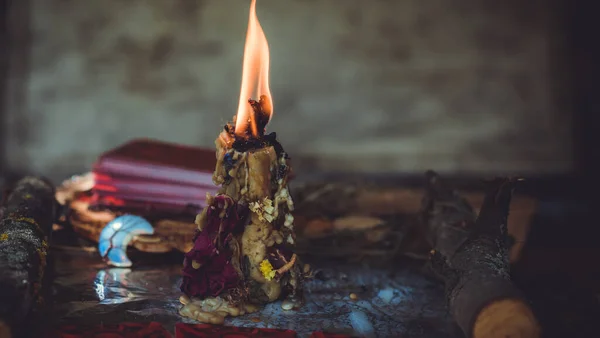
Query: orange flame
pixel 255 76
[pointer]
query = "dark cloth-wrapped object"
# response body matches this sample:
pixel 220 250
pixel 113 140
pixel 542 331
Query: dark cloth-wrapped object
pixel 28 212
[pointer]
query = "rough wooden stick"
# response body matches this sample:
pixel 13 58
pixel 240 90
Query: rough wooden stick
pixel 28 213
pixel 472 259
pixel 334 200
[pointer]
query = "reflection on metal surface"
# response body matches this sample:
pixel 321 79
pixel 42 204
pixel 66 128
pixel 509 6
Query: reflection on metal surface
pixel 111 286
pixel 99 287
pixel 397 302
pixel 117 234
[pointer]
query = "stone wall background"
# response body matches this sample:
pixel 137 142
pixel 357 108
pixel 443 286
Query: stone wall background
pixel 464 86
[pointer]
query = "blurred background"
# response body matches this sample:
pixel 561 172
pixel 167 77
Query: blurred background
pixel 463 87
pixel 470 88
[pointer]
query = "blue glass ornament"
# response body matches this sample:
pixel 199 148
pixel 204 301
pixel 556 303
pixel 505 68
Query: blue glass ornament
pixel 117 234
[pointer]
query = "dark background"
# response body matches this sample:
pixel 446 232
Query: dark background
pixel 559 269
pixel 398 87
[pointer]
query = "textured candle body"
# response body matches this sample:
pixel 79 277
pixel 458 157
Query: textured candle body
pixel 243 254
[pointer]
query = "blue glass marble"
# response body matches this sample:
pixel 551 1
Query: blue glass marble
pixel 117 234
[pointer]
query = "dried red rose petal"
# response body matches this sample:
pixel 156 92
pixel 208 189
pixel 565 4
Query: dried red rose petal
pixel 206 330
pixel 211 254
pixel 125 330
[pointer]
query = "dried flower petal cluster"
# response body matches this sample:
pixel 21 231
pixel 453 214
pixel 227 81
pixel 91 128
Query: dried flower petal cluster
pixel 207 267
pixel 267 270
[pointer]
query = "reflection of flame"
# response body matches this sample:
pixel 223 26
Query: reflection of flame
pixel 255 76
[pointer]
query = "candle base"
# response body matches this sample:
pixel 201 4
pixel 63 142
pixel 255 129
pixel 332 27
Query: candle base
pixel 212 310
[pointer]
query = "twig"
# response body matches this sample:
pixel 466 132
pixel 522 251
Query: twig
pixel 473 262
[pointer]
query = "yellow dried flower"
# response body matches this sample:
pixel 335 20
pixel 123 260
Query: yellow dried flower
pixel 267 270
pixel 3 237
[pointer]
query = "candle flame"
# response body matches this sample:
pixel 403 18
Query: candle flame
pixel 255 77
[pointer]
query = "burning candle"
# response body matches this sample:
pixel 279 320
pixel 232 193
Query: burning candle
pixel 243 253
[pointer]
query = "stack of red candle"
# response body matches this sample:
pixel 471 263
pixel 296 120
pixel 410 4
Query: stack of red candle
pixel 149 174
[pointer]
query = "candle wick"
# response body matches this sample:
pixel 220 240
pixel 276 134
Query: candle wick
pixel 261 116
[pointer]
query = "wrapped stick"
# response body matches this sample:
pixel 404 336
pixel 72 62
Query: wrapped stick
pixel 472 259
pixel 28 213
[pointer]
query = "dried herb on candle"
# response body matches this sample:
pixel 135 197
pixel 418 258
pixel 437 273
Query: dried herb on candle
pixel 228 162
